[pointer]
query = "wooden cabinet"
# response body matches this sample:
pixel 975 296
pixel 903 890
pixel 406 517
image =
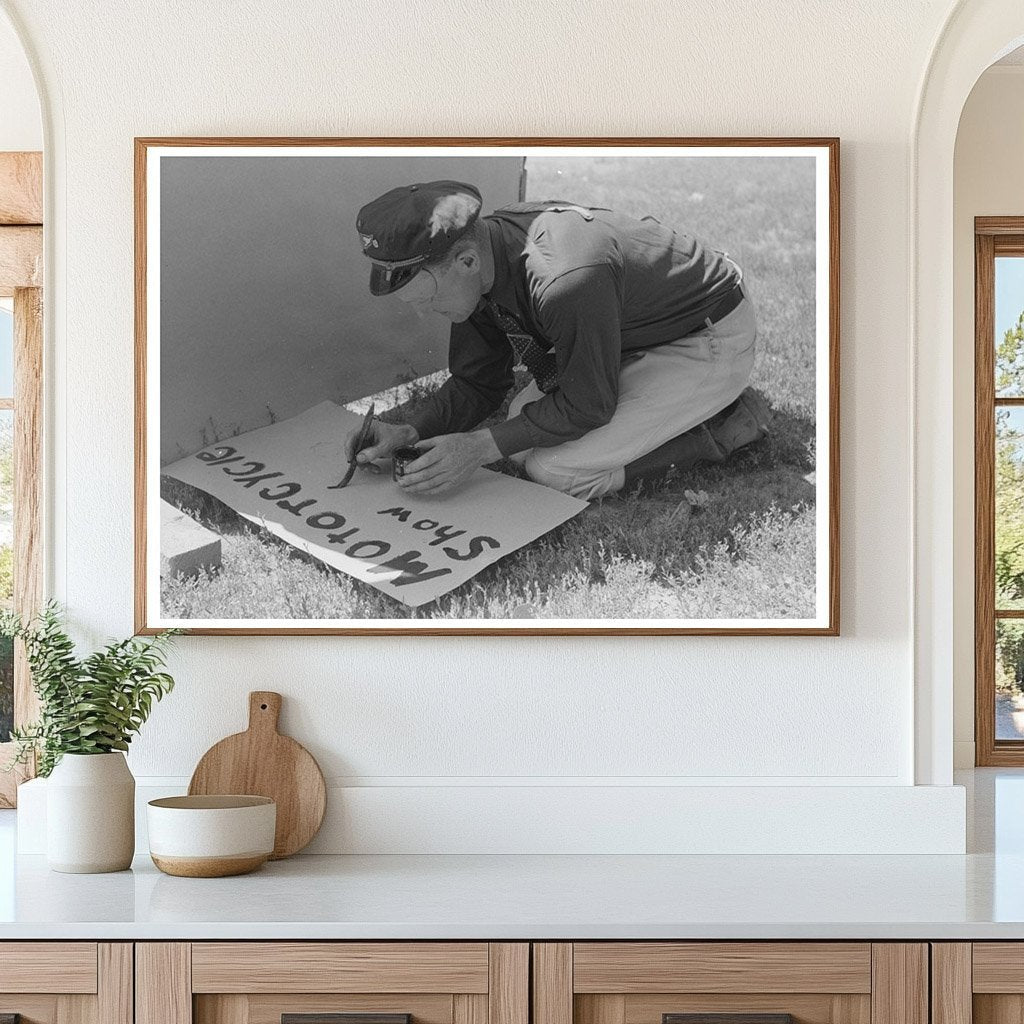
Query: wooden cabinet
pixel 758 982
pixel 66 982
pixel 499 983
pixel 305 982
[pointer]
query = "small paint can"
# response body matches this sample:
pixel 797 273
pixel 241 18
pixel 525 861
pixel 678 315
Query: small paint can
pixel 400 459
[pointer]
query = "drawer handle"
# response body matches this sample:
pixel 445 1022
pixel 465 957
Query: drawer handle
pixel 339 1018
pixel 727 1018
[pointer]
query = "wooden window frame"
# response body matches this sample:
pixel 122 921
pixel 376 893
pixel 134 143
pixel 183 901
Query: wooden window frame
pixel 21 278
pixel 993 236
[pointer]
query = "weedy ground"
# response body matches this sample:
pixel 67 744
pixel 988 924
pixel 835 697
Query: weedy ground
pixel 730 541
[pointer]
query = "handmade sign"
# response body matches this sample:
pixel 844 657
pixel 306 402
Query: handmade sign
pixel 413 548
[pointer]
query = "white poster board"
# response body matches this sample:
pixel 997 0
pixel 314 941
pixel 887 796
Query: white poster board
pixel 413 548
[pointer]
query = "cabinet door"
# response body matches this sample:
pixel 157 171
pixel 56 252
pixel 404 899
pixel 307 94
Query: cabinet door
pixel 66 982
pixel 332 983
pixel 730 983
pixel 980 982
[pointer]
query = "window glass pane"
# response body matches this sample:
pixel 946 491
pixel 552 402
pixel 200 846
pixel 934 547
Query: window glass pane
pixel 6 564
pixel 1009 323
pixel 1009 679
pixel 1009 481
pixel 6 349
pixel 6 689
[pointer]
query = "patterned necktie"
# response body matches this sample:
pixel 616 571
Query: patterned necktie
pixel 539 362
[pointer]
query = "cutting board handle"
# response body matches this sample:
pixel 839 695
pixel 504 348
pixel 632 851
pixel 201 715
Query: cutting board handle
pixel 264 710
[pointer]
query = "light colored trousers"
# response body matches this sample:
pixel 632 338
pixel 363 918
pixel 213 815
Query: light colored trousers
pixel 664 393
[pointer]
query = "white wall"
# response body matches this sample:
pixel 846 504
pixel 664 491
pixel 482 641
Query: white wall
pixel 987 182
pixel 434 715
pixel 21 127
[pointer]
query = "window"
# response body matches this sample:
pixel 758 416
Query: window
pixel 21 364
pixel 999 490
pixel 20 502
pixel 6 510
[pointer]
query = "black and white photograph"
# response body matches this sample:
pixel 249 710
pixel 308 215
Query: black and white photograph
pixel 469 386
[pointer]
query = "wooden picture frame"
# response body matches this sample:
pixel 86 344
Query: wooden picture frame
pixel 823 490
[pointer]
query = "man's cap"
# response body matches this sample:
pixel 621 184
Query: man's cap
pixel 410 225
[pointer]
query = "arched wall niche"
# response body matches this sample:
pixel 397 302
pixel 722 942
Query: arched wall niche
pixel 989 148
pixel 975 35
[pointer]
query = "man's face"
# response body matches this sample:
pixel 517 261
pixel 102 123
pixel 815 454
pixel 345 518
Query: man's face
pixel 454 292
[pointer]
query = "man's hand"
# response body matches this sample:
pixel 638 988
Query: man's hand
pixel 448 461
pixel 383 440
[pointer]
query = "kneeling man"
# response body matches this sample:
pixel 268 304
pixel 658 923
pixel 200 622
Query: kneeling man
pixel 639 339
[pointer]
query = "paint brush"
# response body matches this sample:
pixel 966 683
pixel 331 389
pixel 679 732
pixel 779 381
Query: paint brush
pixel 361 439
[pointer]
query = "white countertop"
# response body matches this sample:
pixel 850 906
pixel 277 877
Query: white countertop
pixel 496 897
pixel 980 895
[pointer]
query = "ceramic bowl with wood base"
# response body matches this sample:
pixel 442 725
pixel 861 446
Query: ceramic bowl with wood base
pixel 211 836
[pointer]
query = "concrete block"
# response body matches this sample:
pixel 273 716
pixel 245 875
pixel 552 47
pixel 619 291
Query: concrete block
pixel 186 548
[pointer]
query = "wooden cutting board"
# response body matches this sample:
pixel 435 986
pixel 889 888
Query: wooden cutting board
pixel 262 762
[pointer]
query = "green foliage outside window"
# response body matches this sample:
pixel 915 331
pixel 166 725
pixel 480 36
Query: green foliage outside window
pixel 1009 656
pixel 1009 475
pixel 6 688
pixel 6 575
pixel 1010 362
pixel 1009 510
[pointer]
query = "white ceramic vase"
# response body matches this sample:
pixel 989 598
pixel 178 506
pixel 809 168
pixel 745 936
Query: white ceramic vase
pixel 90 814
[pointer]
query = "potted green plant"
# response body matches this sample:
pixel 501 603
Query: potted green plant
pixel 89 710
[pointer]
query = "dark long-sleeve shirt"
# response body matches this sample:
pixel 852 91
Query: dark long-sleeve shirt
pixel 588 283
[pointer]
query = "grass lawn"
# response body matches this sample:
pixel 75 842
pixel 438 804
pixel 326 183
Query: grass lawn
pixel 729 541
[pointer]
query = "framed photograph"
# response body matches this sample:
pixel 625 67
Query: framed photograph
pixel 487 386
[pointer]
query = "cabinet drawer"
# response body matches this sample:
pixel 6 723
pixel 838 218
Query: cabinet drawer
pixel 998 967
pixel 332 983
pixel 730 983
pixel 340 967
pixel 66 967
pixel 633 967
pixel 66 982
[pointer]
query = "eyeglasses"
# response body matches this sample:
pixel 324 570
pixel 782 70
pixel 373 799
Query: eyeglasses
pixel 421 291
